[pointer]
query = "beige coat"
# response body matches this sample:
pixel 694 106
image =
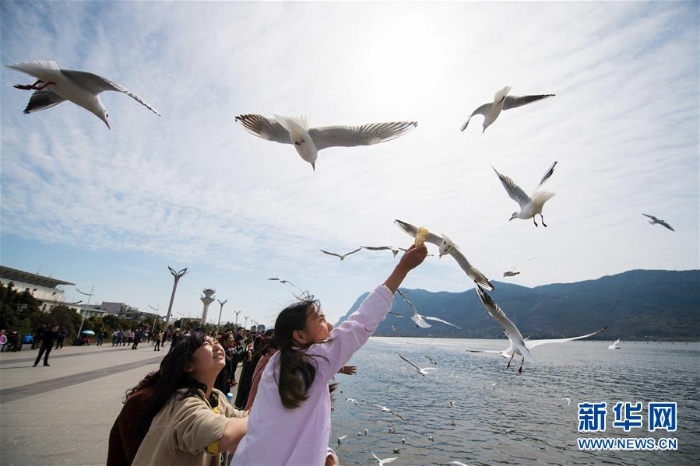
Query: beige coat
pixel 182 430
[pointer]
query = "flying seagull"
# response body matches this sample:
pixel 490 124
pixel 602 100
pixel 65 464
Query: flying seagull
pixel 502 101
pixel 341 256
pixel 55 85
pixel 420 320
pixel 341 438
pixel 385 460
pixel 388 410
pixel 309 141
pixel 655 220
pixel 394 250
pixel 514 270
pixel 446 246
pixel 517 343
pixel 529 206
pixel 615 344
pixel 421 370
pixel 282 281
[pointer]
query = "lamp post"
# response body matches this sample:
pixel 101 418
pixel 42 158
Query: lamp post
pixel 221 303
pixel 236 324
pixel 89 295
pixel 176 277
pixel 155 317
pixel 246 323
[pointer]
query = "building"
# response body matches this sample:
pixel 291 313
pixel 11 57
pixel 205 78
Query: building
pixel 46 290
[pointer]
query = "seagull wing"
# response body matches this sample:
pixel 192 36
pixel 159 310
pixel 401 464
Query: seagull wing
pixel 416 317
pixel 412 230
pixel 330 253
pixel 651 217
pixel 533 343
pixel 353 252
pixel 662 222
pixel 513 190
pixel 41 100
pixel 418 368
pixel 266 128
pixel 388 460
pixel 479 111
pixel 440 320
pixel 548 174
pixel 513 101
pixel 95 84
pixel 365 135
pixel 497 313
pixel 471 271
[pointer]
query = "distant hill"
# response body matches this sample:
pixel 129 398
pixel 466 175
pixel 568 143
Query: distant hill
pixel 634 305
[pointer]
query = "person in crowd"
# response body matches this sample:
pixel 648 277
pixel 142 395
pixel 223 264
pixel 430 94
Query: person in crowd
pixel 3 340
pixel 61 336
pixel 47 339
pixel 126 435
pixel 187 421
pixel 158 340
pixel 292 408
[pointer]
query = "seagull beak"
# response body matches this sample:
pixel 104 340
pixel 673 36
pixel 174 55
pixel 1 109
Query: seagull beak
pixel 313 165
pixel 106 123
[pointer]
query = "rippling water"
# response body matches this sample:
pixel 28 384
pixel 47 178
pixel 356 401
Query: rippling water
pixel 521 420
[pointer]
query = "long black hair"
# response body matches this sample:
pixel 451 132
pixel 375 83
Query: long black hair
pixel 173 377
pixel 296 372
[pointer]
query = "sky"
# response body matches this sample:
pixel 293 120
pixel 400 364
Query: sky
pixel 111 209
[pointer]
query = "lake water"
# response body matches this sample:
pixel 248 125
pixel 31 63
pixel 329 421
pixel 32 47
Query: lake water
pixel 522 419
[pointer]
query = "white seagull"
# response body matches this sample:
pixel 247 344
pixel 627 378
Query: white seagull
pixel 281 280
pixel 309 141
pixel 655 220
pixel 529 206
pixel 394 250
pixel 387 410
pixel 55 85
pixel 502 101
pixel 514 270
pixel 385 460
pixel 420 320
pixel 615 344
pixel 517 344
pixel 341 438
pixel 446 246
pixel 340 256
pixel 421 370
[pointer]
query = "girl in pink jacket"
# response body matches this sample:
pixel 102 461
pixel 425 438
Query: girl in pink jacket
pixel 290 423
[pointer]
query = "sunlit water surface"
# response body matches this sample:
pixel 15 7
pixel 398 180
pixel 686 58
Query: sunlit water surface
pixel 523 418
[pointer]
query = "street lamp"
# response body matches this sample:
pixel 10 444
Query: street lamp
pixel 236 324
pixel 221 303
pixel 155 317
pixel 89 295
pixel 246 323
pixel 176 277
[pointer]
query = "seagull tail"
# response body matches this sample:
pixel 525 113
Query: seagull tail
pixel 295 123
pixel 466 123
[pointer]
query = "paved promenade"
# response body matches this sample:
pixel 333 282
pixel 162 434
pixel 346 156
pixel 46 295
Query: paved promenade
pixel 62 414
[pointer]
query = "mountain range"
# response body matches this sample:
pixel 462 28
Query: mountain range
pixel 634 305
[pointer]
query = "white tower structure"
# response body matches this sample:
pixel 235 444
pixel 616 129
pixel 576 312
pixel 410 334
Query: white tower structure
pixel 207 299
